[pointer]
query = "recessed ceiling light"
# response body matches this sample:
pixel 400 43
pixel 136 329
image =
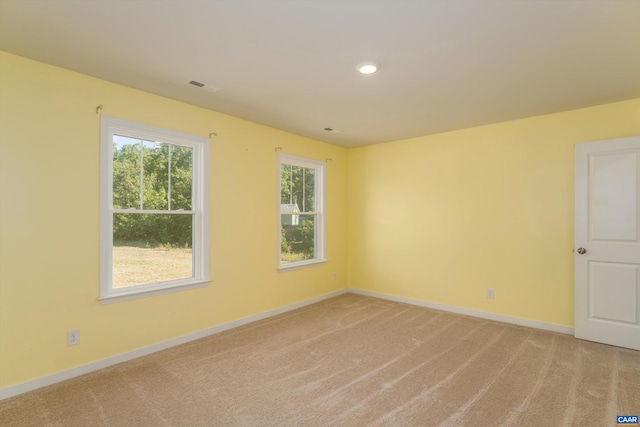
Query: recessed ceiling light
pixel 368 67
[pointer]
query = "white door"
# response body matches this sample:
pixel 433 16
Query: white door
pixel 607 242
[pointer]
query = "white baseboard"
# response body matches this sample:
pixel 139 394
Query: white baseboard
pixel 468 312
pixel 24 387
pixel 27 386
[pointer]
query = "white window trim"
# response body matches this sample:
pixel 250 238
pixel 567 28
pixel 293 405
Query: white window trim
pixel 200 145
pixel 319 188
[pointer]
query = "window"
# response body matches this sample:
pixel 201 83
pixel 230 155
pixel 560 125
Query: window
pixel 301 198
pixel 153 210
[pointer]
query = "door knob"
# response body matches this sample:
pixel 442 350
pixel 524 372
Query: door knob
pixel 582 251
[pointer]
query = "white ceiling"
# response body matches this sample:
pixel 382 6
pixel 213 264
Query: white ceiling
pixel 445 65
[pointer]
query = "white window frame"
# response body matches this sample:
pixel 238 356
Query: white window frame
pixel 200 208
pixel 319 213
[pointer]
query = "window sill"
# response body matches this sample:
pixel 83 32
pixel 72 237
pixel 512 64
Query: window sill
pixel 132 294
pixel 300 265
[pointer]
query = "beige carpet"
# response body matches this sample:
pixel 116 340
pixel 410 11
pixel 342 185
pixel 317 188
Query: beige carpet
pixel 353 361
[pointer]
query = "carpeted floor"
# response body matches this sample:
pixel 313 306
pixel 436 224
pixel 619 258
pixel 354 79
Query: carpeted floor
pixel 353 361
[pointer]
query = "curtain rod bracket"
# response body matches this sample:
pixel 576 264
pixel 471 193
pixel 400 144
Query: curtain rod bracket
pixel 213 133
pixel 98 108
pixel 278 149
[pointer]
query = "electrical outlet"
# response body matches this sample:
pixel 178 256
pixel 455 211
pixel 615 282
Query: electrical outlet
pixel 489 293
pixel 73 337
pixel 335 276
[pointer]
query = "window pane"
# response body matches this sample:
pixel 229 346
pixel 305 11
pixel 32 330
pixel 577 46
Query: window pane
pixel 297 187
pixel 147 188
pixel 298 241
pixel 155 181
pixel 309 190
pixel 296 173
pixel 126 172
pixel 286 196
pixel 181 177
pixel 149 248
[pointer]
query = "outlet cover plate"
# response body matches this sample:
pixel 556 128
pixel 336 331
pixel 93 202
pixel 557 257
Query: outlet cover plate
pixel 73 337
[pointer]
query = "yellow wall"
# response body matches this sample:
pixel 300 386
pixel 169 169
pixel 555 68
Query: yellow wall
pixel 49 206
pixel 438 218
pixel 441 218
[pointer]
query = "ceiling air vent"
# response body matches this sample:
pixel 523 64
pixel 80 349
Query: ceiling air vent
pixel 202 86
